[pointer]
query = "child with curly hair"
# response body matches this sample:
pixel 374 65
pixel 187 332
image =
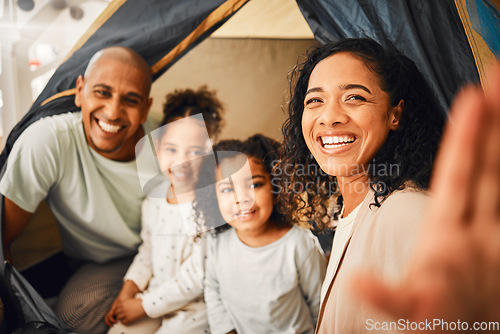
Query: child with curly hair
pixel 163 288
pixel 263 273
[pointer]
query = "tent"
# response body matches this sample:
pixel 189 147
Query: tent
pixel 452 42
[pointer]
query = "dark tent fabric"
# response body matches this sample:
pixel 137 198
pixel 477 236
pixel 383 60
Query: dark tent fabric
pixel 485 19
pixel 24 310
pixel 428 32
pixel 481 21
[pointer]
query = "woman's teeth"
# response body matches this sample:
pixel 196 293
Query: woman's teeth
pixel 336 141
pixel 109 127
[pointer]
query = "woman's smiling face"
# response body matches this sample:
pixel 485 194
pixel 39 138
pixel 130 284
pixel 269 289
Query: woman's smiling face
pixel 347 117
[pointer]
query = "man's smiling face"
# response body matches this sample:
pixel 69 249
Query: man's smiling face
pixel 114 98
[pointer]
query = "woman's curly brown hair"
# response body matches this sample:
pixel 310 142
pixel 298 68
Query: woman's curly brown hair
pixel 412 147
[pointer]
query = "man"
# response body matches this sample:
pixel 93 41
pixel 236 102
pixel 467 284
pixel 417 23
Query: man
pixel 83 165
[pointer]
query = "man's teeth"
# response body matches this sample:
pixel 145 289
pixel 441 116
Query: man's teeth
pixel 336 141
pixel 109 127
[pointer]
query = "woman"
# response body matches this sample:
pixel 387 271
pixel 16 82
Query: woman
pixel 369 120
pixel 454 271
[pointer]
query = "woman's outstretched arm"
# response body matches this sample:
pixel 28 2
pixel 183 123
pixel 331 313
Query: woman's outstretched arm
pixel 454 273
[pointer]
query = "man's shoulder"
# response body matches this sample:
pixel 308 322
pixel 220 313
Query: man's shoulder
pixel 52 125
pixel 57 123
pixel 51 130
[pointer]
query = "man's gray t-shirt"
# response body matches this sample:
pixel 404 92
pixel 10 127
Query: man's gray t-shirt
pixel 96 201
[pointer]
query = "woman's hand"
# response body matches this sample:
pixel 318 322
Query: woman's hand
pixel 454 273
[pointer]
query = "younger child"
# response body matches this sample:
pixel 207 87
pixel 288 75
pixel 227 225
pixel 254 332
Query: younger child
pixel 263 274
pixel 163 288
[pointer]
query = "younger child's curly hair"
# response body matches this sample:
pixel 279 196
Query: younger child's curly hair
pixel 205 205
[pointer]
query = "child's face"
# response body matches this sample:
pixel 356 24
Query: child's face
pixel 180 150
pixel 245 199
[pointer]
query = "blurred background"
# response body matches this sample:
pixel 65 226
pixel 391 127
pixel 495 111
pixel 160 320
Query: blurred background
pixel 247 61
